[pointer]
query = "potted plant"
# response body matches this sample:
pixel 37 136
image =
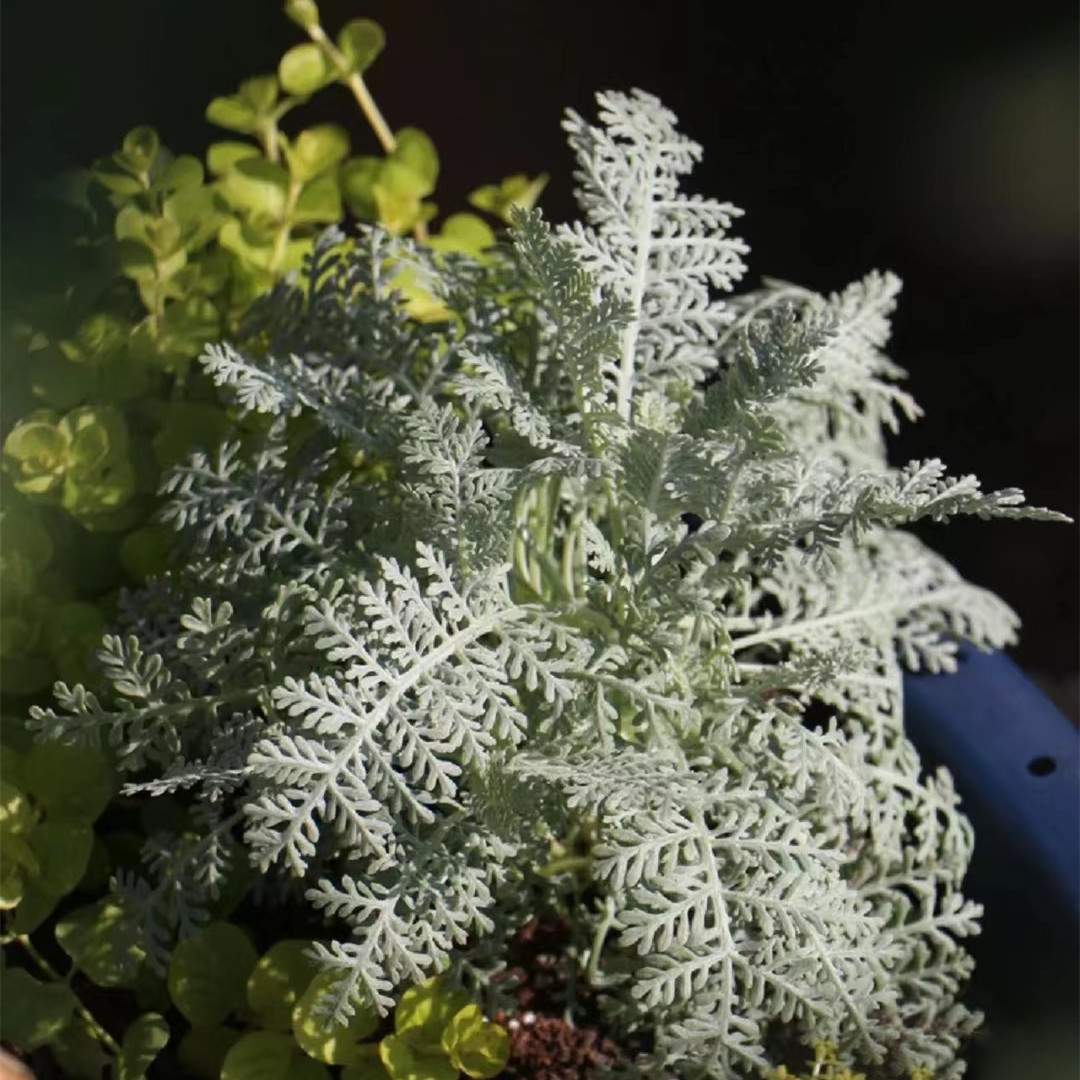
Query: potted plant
pixel 566 621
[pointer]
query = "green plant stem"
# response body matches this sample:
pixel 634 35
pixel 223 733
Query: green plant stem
pixel 85 1014
pixel 605 924
pixel 281 238
pixel 355 82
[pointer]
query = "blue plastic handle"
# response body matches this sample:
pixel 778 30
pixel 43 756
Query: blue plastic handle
pixel 1016 761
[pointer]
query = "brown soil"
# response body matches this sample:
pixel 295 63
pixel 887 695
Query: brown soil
pixel 544 1044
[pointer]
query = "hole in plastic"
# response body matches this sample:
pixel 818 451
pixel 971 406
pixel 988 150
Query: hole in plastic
pixel 1041 766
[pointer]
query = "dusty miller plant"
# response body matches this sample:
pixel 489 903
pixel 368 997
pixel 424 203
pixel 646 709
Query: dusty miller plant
pixel 604 545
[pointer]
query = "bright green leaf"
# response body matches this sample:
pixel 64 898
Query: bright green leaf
pixel 475 1045
pixel 34 1013
pixel 260 92
pixel 181 173
pixel 316 150
pixel 100 939
pixel 361 41
pixel 465 234
pixel 425 1010
pixel 234 114
pixel 319 202
pixel 144 1039
pixel 269 1055
pixel 257 186
pixel 140 148
pixel 358 177
pixel 305 13
pixel 404 1062
pixel 112 174
pixel 416 151
pixel 222 156
pixel 136 260
pixel 515 191
pixel 304 69
pixel 208 973
pixel 279 980
pixel 234 237
pixel 335 1044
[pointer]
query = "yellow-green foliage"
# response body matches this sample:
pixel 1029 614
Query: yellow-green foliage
pixel 191 244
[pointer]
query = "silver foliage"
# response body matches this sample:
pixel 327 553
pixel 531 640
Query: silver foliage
pixel 604 547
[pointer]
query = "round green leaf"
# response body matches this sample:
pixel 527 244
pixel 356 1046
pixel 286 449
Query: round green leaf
pixel 202 1050
pixel 279 980
pixel 360 42
pixel 181 173
pixel 34 1013
pixel 319 202
pixel 99 339
pixel 144 553
pixel 358 177
pixel 26 549
pixel 35 454
pixel 112 175
pixel 208 973
pixel 475 1045
pixel 79 1053
pixel 35 906
pixel 234 114
pixel 69 781
pixel 368 1067
pixel 416 151
pixel 514 191
pixel 100 939
pixel 304 13
pixel 260 92
pixel 17 816
pixel 63 847
pixel 404 1062
pixel 425 1010
pixel 269 1055
pixel 463 233
pixel 304 69
pixel 257 186
pixel 141 1044
pixel 317 150
pixel 335 1044
pixel 141 147
pixel 151 992
pixel 222 156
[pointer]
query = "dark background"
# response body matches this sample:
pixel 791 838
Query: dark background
pixel 938 140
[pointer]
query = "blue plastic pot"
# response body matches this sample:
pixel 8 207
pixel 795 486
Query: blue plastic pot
pixel 1016 762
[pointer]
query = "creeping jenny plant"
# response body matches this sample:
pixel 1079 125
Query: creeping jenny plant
pixel 600 545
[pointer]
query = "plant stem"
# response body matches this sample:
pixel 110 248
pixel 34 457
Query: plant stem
pixel 354 81
pixel 88 1017
pixel 602 927
pixel 281 239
